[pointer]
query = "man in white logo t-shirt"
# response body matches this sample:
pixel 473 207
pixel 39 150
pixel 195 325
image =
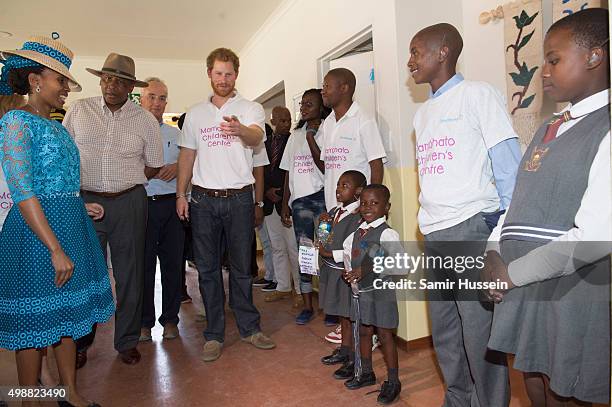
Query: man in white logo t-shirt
pixel 467 155
pixel 350 139
pixel 220 137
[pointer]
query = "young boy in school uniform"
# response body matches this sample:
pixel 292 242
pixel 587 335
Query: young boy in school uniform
pixel 555 242
pixel 467 155
pixel 334 292
pixel 377 305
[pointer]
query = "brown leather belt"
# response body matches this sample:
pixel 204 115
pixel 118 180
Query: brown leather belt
pixel 221 193
pixel 111 194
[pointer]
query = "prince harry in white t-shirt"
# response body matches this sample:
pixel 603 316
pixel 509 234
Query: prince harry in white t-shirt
pixel 220 144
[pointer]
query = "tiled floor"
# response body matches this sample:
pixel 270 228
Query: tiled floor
pixel 172 374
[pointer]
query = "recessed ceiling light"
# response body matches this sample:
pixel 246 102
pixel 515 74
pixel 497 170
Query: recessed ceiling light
pixel 5 34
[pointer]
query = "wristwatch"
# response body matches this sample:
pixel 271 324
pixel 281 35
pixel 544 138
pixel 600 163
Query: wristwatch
pixel 259 204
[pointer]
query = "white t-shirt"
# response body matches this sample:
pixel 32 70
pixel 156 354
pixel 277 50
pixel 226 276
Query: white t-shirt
pixel 305 178
pixel 260 156
pixel 222 162
pixel 454 132
pixel 349 144
pixel 5 199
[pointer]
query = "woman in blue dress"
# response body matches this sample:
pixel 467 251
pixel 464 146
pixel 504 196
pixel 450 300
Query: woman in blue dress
pixel 54 282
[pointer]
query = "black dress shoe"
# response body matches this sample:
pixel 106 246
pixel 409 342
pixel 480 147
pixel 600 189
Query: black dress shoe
pixel 346 371
pixel 389 392
pixel 335 358
pixel 366 379
pixel 81 358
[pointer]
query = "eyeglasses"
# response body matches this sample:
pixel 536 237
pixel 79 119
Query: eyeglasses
pixel 161 98
pixel 107 79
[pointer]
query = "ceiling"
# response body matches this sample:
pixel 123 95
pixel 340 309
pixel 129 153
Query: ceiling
pixel 175 29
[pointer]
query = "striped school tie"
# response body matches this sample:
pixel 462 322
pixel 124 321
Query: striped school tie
pixel 553 126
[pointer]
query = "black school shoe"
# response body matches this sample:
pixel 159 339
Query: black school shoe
pixel 346 371
pixel 269 288
pixel 335 358
pixel 366 379
pixel 389 392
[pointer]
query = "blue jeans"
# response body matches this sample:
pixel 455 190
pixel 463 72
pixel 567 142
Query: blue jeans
pixel 305 213
pixel 267 251
pixel 211 218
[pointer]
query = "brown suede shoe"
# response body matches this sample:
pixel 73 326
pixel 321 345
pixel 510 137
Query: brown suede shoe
pixel 260 341
pixel 145 335
pixel 211 351
pixel 276 296
pixel 130 356
pixel 171 331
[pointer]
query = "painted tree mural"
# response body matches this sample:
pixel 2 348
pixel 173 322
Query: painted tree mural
pixel 524 74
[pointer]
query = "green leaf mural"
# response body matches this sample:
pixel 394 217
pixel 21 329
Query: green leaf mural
pixel 530 19
pixel 523 78
pixel 526 102
pixel 520 19
pixel 525 40
pixel 523 20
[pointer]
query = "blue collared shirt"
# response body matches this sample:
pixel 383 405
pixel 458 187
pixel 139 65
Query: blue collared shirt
pixel 171 151
pixel 504 156
pixel 448 85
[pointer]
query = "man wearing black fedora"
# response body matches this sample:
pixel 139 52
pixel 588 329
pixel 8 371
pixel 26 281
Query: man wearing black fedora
pixel 121 147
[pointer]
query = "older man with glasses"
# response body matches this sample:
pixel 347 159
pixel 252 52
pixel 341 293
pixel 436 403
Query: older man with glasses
pixel 121 148
pixel 165 232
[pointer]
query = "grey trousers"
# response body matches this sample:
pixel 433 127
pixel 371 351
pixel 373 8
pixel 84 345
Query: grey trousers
pixel 123 228
pixel 461 325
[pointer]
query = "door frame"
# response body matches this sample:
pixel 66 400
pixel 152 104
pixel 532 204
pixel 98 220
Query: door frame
pixel 341 49
pixel 350 44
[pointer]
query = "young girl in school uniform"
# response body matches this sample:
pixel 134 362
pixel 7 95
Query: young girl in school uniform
pixel 334 292
pixel 555 242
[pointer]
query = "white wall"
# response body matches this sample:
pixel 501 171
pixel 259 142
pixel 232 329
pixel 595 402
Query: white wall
pixel 483 45
pixel 187 81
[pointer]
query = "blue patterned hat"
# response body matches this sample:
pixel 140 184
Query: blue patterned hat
pixel 44 51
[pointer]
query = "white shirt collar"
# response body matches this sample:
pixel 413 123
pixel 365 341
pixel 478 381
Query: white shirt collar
pixel 588 105
pixel 375 224
pixel 351 112
pixel 350 208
